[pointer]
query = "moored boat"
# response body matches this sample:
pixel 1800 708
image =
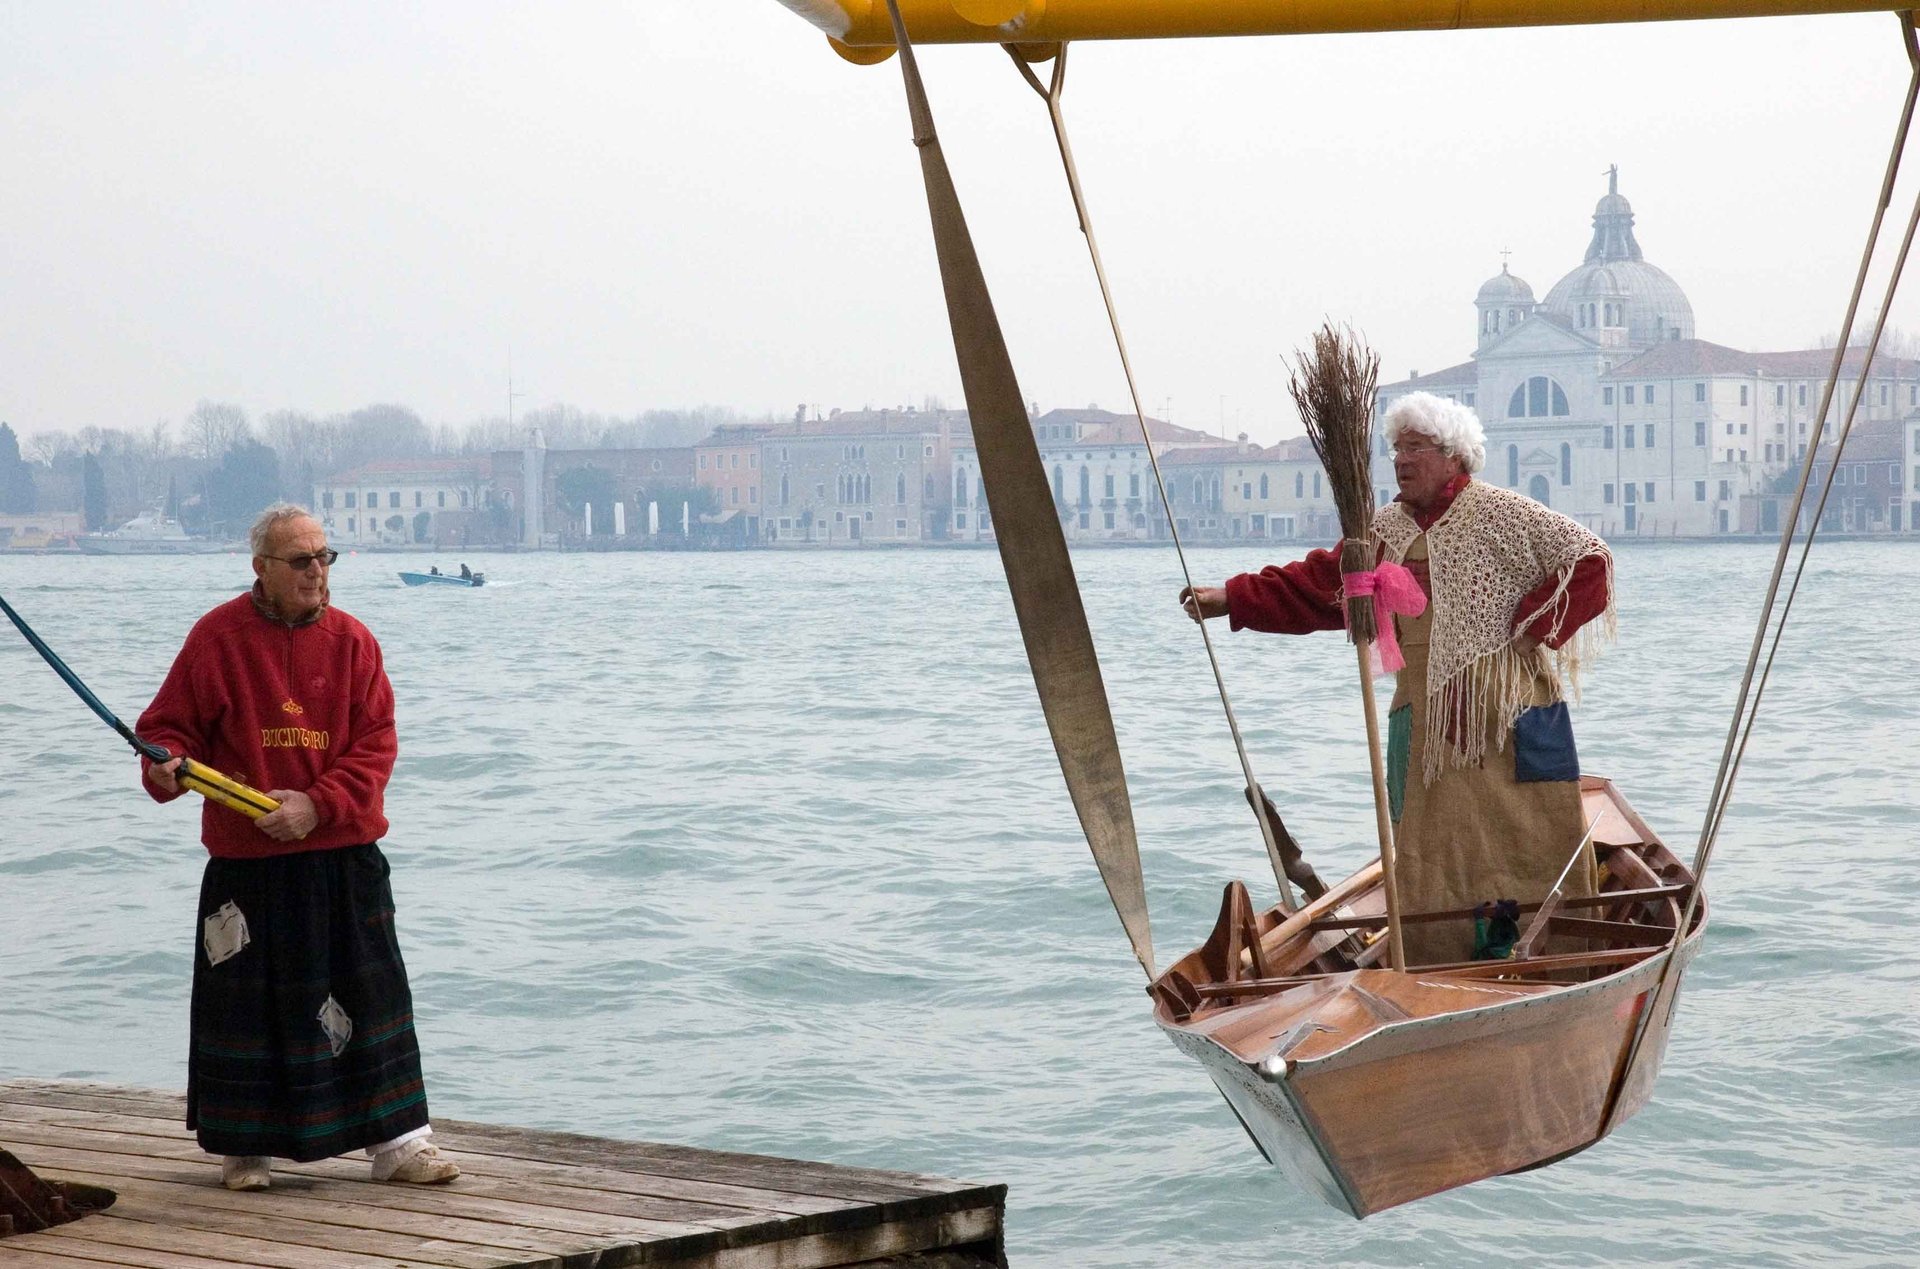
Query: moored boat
pixel 151 533
pixel 1372 1087
pixel 443 579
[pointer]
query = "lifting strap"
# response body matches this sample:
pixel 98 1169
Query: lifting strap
pixel 1033 550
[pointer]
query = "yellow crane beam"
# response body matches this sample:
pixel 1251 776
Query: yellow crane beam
pixel 861 29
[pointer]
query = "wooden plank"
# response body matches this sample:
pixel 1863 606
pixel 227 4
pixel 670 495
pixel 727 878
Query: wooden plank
pixel 797 1175
pixel 313 1231
pixel 79 1253
pixel 333 1209
pixel 111 1229
pixel 55 1258
pixel 467 1201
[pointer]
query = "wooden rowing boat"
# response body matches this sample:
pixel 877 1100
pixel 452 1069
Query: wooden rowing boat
pixel 1373 1087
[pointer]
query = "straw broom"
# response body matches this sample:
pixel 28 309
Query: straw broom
pixel 1333 385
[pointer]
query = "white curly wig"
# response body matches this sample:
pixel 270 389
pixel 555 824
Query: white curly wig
pixel 1453 427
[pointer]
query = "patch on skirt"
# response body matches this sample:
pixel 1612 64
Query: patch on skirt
pixel 224 933
pixel 336 1025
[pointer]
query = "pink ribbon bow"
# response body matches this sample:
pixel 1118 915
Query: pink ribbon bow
pixel 1394 590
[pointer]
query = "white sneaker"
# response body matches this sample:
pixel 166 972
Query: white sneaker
pixel 246 1172
pixel 418 1162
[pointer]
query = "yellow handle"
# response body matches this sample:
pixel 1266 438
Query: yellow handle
pixel 231 794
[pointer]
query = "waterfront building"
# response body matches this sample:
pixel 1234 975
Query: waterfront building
pixel 858 476
pixel 403 502
pixel 617 484
pixel 1280 492
pixel 1869 492
pixel 728 462
pixel 1097 464
pixel 1600 401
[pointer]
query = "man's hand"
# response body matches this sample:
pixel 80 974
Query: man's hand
pixel 1524 644
pixel 293 821
pixel 161 773
pixel 1202 602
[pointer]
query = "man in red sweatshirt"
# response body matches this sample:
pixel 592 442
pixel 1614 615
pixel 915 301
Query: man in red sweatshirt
pixel 302 1021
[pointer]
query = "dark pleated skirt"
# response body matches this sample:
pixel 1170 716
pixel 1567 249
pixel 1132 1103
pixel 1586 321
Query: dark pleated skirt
pixel 263 1074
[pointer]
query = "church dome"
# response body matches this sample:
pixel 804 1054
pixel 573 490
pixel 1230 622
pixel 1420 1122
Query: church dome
pixel 1657 309
pixel 1504 288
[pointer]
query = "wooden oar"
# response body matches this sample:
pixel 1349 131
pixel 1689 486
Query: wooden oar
pixel 196 776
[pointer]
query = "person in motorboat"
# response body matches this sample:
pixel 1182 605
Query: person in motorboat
pixel 301 1042
pixel 1482 774
pixel 466 572
pixel 433 570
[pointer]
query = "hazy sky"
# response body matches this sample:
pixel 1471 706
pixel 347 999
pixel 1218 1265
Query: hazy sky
pixel 666 203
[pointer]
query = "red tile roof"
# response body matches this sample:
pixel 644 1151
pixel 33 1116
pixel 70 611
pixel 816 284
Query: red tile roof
pixel 390 470
pixel 1699 357
pixel 1464 375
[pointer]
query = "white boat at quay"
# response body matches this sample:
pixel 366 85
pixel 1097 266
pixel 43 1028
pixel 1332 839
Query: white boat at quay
pixel 151 533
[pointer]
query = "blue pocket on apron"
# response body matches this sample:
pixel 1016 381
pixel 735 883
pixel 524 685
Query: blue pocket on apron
pixel 1543 745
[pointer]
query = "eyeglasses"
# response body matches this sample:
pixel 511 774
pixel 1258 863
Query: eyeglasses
pixel 1414 451
pixel 301 563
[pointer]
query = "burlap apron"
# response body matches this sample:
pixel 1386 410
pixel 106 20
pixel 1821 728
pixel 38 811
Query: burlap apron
pixel 1476 833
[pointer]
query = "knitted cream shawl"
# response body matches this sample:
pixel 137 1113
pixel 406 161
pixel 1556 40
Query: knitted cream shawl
pixel 1489 550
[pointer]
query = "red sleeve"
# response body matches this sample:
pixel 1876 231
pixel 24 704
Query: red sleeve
pixel 355 784
pixel 1295 598
pixel 1585 599
pixel 176 720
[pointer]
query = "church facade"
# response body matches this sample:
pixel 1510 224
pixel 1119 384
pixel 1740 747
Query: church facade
pixel 1600 400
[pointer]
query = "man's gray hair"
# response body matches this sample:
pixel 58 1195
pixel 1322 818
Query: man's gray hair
pixel 261 535
pixel 1453 427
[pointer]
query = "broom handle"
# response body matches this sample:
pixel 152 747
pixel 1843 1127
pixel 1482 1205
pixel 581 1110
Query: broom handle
pixel 1396 953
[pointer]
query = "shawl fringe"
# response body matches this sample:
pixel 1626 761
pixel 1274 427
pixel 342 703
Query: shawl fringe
pixel 1480 571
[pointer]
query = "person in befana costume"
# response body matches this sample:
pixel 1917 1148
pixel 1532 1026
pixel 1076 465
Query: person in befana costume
pixel 1482 774
pixel 301 1043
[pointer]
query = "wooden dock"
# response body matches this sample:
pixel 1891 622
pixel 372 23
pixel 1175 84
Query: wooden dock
pixel 525 1198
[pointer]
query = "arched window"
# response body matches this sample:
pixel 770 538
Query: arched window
pixel 899 488
pixel 1299 484
pixel 786 493
pixel 1566 464
pixel 960 488
pixel 1513 465
pixel 1538 398
pixel 1537 490
pixel 1086 487
pixel 1059 484
pixel 1263 486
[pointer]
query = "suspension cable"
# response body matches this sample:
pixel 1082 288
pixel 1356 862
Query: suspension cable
pixel 1052 94
pixel 1747 708
pixel 1745 711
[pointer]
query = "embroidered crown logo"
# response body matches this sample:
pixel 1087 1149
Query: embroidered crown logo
pixel 291 706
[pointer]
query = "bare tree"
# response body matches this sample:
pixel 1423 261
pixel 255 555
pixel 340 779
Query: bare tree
pixel 213 427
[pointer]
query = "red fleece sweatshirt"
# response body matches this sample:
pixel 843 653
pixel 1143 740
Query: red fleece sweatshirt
pixel 281 707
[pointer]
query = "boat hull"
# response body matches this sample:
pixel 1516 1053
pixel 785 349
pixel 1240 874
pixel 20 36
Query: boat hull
pixel 1427 1105
pixel 162 546
pixel 1374 1087
pixel 438 579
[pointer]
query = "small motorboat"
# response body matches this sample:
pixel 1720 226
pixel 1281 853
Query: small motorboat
pixel 443 579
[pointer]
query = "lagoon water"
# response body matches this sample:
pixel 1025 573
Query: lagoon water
pixel 769 852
